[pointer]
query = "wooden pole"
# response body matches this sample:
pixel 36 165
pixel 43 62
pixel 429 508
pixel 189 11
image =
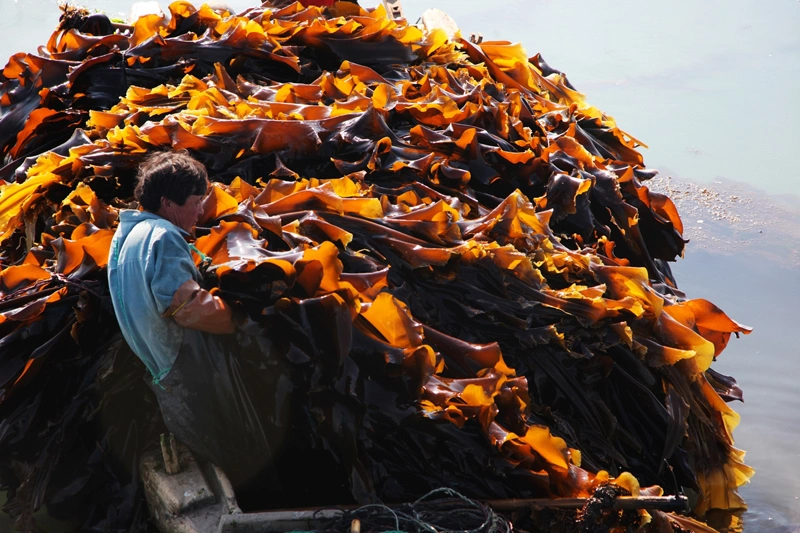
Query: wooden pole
pixel 622 503
pixel 169 452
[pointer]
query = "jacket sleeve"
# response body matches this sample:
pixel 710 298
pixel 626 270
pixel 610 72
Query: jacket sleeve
pixel 195 308
pixel 169 266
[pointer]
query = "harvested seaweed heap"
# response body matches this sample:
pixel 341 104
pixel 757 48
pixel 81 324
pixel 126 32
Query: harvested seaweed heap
pixel 454 271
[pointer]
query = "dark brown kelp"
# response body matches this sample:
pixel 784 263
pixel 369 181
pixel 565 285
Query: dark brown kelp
pixel 454 270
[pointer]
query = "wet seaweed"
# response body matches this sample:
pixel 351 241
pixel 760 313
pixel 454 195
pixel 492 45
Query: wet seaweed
pixel 453 270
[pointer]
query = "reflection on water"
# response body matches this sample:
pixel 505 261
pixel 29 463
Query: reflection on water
pixel 708 85
pixel 744 255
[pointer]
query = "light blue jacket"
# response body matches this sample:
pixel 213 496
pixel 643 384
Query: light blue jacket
pixel 148 262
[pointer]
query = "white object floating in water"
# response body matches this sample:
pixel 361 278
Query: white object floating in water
pixel 699 221
pixel 436 18
pixel 140 9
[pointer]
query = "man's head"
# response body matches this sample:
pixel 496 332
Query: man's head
pixel 172 185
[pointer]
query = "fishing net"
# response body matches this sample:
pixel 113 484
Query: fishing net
pixel 453 271
pixel 442 510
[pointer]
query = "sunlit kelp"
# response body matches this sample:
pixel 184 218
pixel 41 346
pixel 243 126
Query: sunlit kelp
pixel 454 268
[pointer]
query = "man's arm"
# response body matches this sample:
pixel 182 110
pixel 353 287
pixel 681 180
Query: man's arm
pixel 195 308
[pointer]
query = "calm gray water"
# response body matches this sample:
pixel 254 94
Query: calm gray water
pixel 713 88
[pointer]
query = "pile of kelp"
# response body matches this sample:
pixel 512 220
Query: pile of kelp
pixel 453 271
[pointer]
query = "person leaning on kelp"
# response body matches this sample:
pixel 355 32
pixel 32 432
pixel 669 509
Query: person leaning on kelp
pixel 176 327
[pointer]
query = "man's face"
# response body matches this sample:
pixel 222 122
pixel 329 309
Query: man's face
pixel 184 216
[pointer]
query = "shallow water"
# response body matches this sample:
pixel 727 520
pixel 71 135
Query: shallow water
pixel 712 87
pixel 751 273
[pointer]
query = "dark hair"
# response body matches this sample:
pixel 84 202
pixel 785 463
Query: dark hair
pixel 172 175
